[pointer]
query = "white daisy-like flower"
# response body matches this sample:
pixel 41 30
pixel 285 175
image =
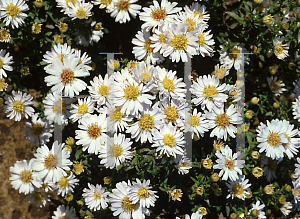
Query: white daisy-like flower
pixel 80 10
pixel 257 211
pixel 95 197
pixel 169 85
pixel 270 167
pixel 39 197
pixel 51 164
pixel 169 141
pixel 143 49
pixel 187 18
pixel 38 131
pixel 85 107
pixel 23 178
pixel 238 188
pixel 140 192
pixel 293 143
pixel 18 105
pixel 296 190
pixel 209 92
pixel 103 3
pixel 122 206
pixel 130 94
pixel 149 121
pixel 65 184
pixel 4 35
pixel 64 76
pixel 58 51
pixel 280 49
pixel 196 123
pixel 64 212
pixel 234 57
pixel 223 122
pixel 158 39
pixel 296 108
pixel 195 215
pixel 92 133
pixel 84 59
pixel 3 85
pixel 64 5
pixel 158 15
pixel 115 151
pixel 199 10
pixel 297 168
pixel 234 92
pixel 13 12
pixel 285 209
pixel 229 165
pixel 5 62
pixel 184 165
pixel 120 10
pixel 57 108
pixel 220 71
pixel 88 38
pixel 276 86
pixel 205 41
pixel 180 43
pixel 271 139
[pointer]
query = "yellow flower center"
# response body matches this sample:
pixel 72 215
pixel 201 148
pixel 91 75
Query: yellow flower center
pixel 2 84
pixel 62 106
pixel 63 182
pixel 127 204
pixel 297 191
pixel 98 26
pixel 116 150
pixel 158 14
pixel 36 28
pixel 94 131
pixel 274 139
pixel 18 106
pixel 97 196
pixel 131 92
pixel 38 196
pixel 106 2
pixel 67 76
pixel 50 161
pixel 116 114
pixel 123 5
pixel 78 168
pixel 229 163
pixel 146 122
pixel 4 35
pixel 169 140
pixel 1 63
pixel 176 194
pixel 255 212
pixel 238 189
pixel 191 26
pixel 25 176
pixel 145 77
pixel 201 40
pixel 82 109
pixel 72 1
pixel 234 50
pixel 162 38
pixel 279 48
pixel 143 193
pixel 222 120
pixel 179 42
pixel 275 86
pixel 12 10
pixel 193 120
pixel 81 13
pixel 171 113
pixel 219 73
pixel 147 46
pixel 210 92
pixel 198 13
pixel 58 39
pixel 36 129
pixel 168 84
pixel 102 90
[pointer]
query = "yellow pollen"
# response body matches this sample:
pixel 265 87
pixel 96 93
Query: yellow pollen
pixel 176 194
pixel 192 24
pixel 179 42
pixel 201 40
pixel 67 76
pixel 94 131
pixel 229 163
pixel 169 140
pixel 97 196
pixel 116 150
pixel 36 129
pixel 234 50
pixel 238 189
pixel 81 13
pixel 146 122
pixel 50 162
pixel 106 2
pixel 210 92
pixel 77 168
pixel 2 84
pixel 297 191
pixel 98 26
pixel 25 176
pixel 162 38
pixel 274 139
pixel 275 86
pixel 127 204
pixel 123 5
pixel 168 84
pixel 12 10
pixel 147 46
pixel 62 106
pixel 143 193
pixel 144 77
pixel 1 63
pixel 193 120
pixel 82 109
pixel 131 92
pixel 116 114
pixel 158 14
pixel 279 48
pixel 171 113
pixel 102 90
pixel 222 120
pixel 63 182
pixel 18 106
pixel 4 35
pixel 255 212
pixel 198 13
pixel 219 73
pixel 72 1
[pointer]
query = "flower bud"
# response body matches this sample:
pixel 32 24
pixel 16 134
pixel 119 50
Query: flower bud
pixel 288 188
pixel 215 177
pixel 282 200
pixel 107 180
pixel 273 69
pixel 255 155
pixel 200 190
pixel 257 172
pixel 38 3
pixel 269 189
pixel 268 19
pixel 207 163
pixel 249 114
pixel 233 216
pixel 276 104
pixel 285 26
pixel 254 100
pixel 69 197
pixel 202 210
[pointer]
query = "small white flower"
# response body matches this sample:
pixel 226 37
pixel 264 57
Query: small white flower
pixel 95 197
pixel 285 208
pixel 85 107
pixel 5 62
pixel 184 165
pixel 121 8
pixel 39 197
pixel 238 188
pixel 276 86
pixel 280 49
pixel 80 10
pixel 88 38
pixel 58 51
pixel 65 184
pixel 64 212
pixel 220 71
pixel 257 211
pixel 296 108
pixel 199 10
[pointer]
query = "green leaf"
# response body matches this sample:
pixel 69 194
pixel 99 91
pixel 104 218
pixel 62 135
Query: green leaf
pixel 234 15
pixel 78 153
pixel 269 113
pixel 48 33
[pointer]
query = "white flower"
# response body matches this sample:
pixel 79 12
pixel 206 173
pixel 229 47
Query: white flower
pixel 39 197
pixel 18 105
pixel 95 197
pixel 234 92
pixel 115 151
pixel 280 49
pixel 222 122
pixel 296 190
pixel 271 139
pixel 5 62
pixel 195 215
pixel 64 75
pixel 184 165
pixel 297 170
pixel 12 11
pixel 208 92
pixel 205 41
pixel 65 5
pixel 189 19
pixel 93 132
pixel 199 10
pixel 52 164
pixel 121 8
pixel 158 39
pixel 58 51
pixel 296 108
pixel 85 107
pixel 285 208
pixel 277 87
pixel 229 165
pixel 88 38
pixel 169 141
pixel 103 3
pixel 80 10
pixel 65 184
pixel 38 131
pixel 84 59
pixel 64 212
pixel 3 85
pixel 238 188
pixel 157 15
pixel 23 178
pixel 257 211
pixel 220 71
pixel 293 143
